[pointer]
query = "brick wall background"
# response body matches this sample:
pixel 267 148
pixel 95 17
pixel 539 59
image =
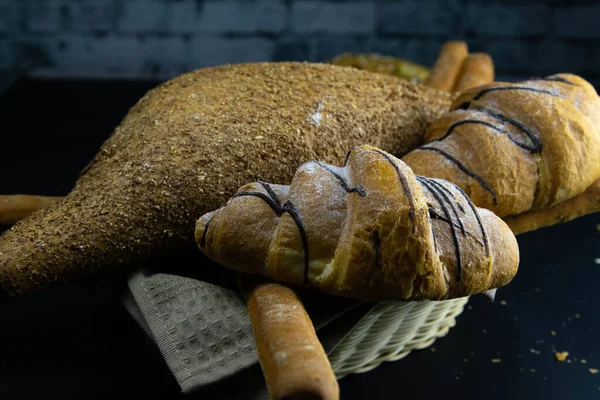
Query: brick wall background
pixel 162 38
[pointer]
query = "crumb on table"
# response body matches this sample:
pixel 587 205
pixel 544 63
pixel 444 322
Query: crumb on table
pixel 496 360
pixel 561 355
pixel 593 371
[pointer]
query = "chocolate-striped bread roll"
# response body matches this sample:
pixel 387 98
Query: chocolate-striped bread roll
pixel 517 147
pixel 371 230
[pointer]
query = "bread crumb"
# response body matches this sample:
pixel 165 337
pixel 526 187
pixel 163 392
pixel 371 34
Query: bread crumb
pixel 534 351
pixel 496 360
pixel 503 302
pixel 577 315
pixel 432 349
pixel 593 371
pixel 584 361
pixel 561 355
pixel 597 260
pixel 553 333
pixel 532 370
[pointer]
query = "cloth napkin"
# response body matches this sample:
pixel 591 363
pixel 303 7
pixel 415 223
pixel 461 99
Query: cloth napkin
pixel 203 330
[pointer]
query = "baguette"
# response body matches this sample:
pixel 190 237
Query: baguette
pixel 187 146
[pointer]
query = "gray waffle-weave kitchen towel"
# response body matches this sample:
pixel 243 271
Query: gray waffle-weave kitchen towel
pixel 204 334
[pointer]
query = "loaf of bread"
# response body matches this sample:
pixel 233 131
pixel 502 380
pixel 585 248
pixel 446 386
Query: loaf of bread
pixel 371 230
pixel 190 143
pixel 516 148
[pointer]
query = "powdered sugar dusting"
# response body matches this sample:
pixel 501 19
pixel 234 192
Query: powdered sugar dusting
pixel 316 117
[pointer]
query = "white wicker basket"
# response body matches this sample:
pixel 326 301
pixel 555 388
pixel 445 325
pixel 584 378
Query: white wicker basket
pixel 391 330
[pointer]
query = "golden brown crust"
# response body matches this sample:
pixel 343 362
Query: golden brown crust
pixel 370 230
pixel 517 147
pixel 477 69
pixel 587 202
pixel 448 65
pixel 188 144
pixel 293 361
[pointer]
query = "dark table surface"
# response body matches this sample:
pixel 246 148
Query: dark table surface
pixel 79 342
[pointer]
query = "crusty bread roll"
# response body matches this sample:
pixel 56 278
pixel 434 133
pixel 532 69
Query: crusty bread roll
pixel 517 147
pixel 187 146
pixel 371 230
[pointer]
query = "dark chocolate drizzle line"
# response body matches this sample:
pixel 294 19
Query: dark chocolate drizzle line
pixel 506 88
pixel 440 189
pixel 206 226
pixel 275 206
pixel 536 143
pixel 455 125
pixel 555 79
pixel 403 182
pixel 348 155
pixel 464 169
pixel 433 214
pixel 269 190
pixel 535 147
pixel 436 194
pixel 486 242
pixel 356 189
pixel 450 194
pixel 377 245
pixel 203 238
pixel 291 209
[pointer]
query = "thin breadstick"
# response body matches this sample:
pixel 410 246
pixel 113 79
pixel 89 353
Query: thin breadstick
pixel 587 202
pixel 477 69
pixel 447 66
pixel 293 361
pixel 15 207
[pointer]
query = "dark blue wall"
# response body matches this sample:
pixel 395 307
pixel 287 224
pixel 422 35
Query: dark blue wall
pixel 161 38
